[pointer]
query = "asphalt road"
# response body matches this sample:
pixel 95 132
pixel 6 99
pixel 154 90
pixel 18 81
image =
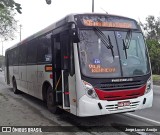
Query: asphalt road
pixel 153 112
pixel 25 110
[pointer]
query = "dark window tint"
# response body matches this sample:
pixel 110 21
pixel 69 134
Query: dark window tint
pixel 32 52
pixel 96 58
pixel 15 54
pixel 10 58
pixel 64 50
pixel 135 60
pixel 44 49
pixel 22 54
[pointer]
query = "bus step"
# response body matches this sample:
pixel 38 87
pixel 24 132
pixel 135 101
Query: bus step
pixel 66 99
pixel 59 97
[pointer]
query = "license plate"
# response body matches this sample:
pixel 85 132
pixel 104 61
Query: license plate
pixel 123 103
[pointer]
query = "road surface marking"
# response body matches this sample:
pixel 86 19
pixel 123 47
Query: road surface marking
pixel 157 122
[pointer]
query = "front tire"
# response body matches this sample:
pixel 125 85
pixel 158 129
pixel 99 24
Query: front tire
pixel 52 107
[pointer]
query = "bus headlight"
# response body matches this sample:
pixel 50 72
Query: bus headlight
pixel 90 92
pixel 148 86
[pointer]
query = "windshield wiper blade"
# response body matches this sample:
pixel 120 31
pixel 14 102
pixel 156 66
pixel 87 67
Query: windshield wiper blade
pixel 127 42
pixel 111 46
pixel 106 41
pixel 124 48
pixel 103 37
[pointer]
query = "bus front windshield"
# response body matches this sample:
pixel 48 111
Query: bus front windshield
pixel 108 54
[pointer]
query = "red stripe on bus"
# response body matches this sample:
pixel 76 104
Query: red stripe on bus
pixel 120 94
pixel 66 93
pixel 51 76
pixel 66 57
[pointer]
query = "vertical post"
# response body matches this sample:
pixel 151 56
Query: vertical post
pixel 20 26
pixel 92 6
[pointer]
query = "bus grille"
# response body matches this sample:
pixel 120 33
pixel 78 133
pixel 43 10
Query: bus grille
pixel 120 85
pixel 115 106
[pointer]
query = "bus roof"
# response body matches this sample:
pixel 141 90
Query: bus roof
pixel 67 19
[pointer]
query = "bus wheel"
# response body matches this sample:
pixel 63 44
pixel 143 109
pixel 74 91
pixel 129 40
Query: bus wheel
pixel 15 90
pixel 50 101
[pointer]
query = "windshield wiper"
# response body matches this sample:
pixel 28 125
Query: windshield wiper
pixel 124 48
pixel 106 41
pixel 127 42
pixel 111 46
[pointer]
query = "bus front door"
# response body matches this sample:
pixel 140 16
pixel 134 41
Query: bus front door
pixel 64 41
pixel 60 79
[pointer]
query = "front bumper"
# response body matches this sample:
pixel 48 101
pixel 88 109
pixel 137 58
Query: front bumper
pixel 89 107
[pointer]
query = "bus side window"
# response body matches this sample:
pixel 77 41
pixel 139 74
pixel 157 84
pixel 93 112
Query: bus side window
pixel 44 49
pixel 22 54
pixel 15 55
pixel 32 52
pixel 10 58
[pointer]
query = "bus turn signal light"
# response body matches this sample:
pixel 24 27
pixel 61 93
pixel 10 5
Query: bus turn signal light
pixel 48 68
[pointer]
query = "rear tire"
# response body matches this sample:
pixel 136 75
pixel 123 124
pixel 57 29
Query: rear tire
pixel 15 90
pixel 52 107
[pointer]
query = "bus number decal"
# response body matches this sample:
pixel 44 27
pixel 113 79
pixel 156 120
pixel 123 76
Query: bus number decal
pixel 97 61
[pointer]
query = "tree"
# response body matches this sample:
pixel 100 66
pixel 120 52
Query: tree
pixel 152 34
pixel 154 52
pixel 12 4
pixel 8 24
pixel 152 27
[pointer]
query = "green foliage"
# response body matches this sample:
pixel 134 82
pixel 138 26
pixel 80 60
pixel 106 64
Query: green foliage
pixel 8 24
pixel 152 30
pixel 12 4
pixel 154 52
pixel 152 27
pixel 156 78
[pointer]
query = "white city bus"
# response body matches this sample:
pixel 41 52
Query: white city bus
pixel 87 64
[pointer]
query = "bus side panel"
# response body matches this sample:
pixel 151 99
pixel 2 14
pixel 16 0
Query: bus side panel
pixel 40 80
pixel 79 86
pixel 16 75
pixel 73 94
pixel 42 76
pixel 11 74
pixel 6 73
pixel 23 78
pixel 32 79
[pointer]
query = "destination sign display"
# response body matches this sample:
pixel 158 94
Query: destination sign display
pixel 107 21
pixel 107 24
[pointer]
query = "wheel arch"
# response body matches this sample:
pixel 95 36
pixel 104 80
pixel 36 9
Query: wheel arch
pixel 13 77
pixel 45 86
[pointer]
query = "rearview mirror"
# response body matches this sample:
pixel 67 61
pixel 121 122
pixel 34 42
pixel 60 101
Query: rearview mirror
pixel 74 33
